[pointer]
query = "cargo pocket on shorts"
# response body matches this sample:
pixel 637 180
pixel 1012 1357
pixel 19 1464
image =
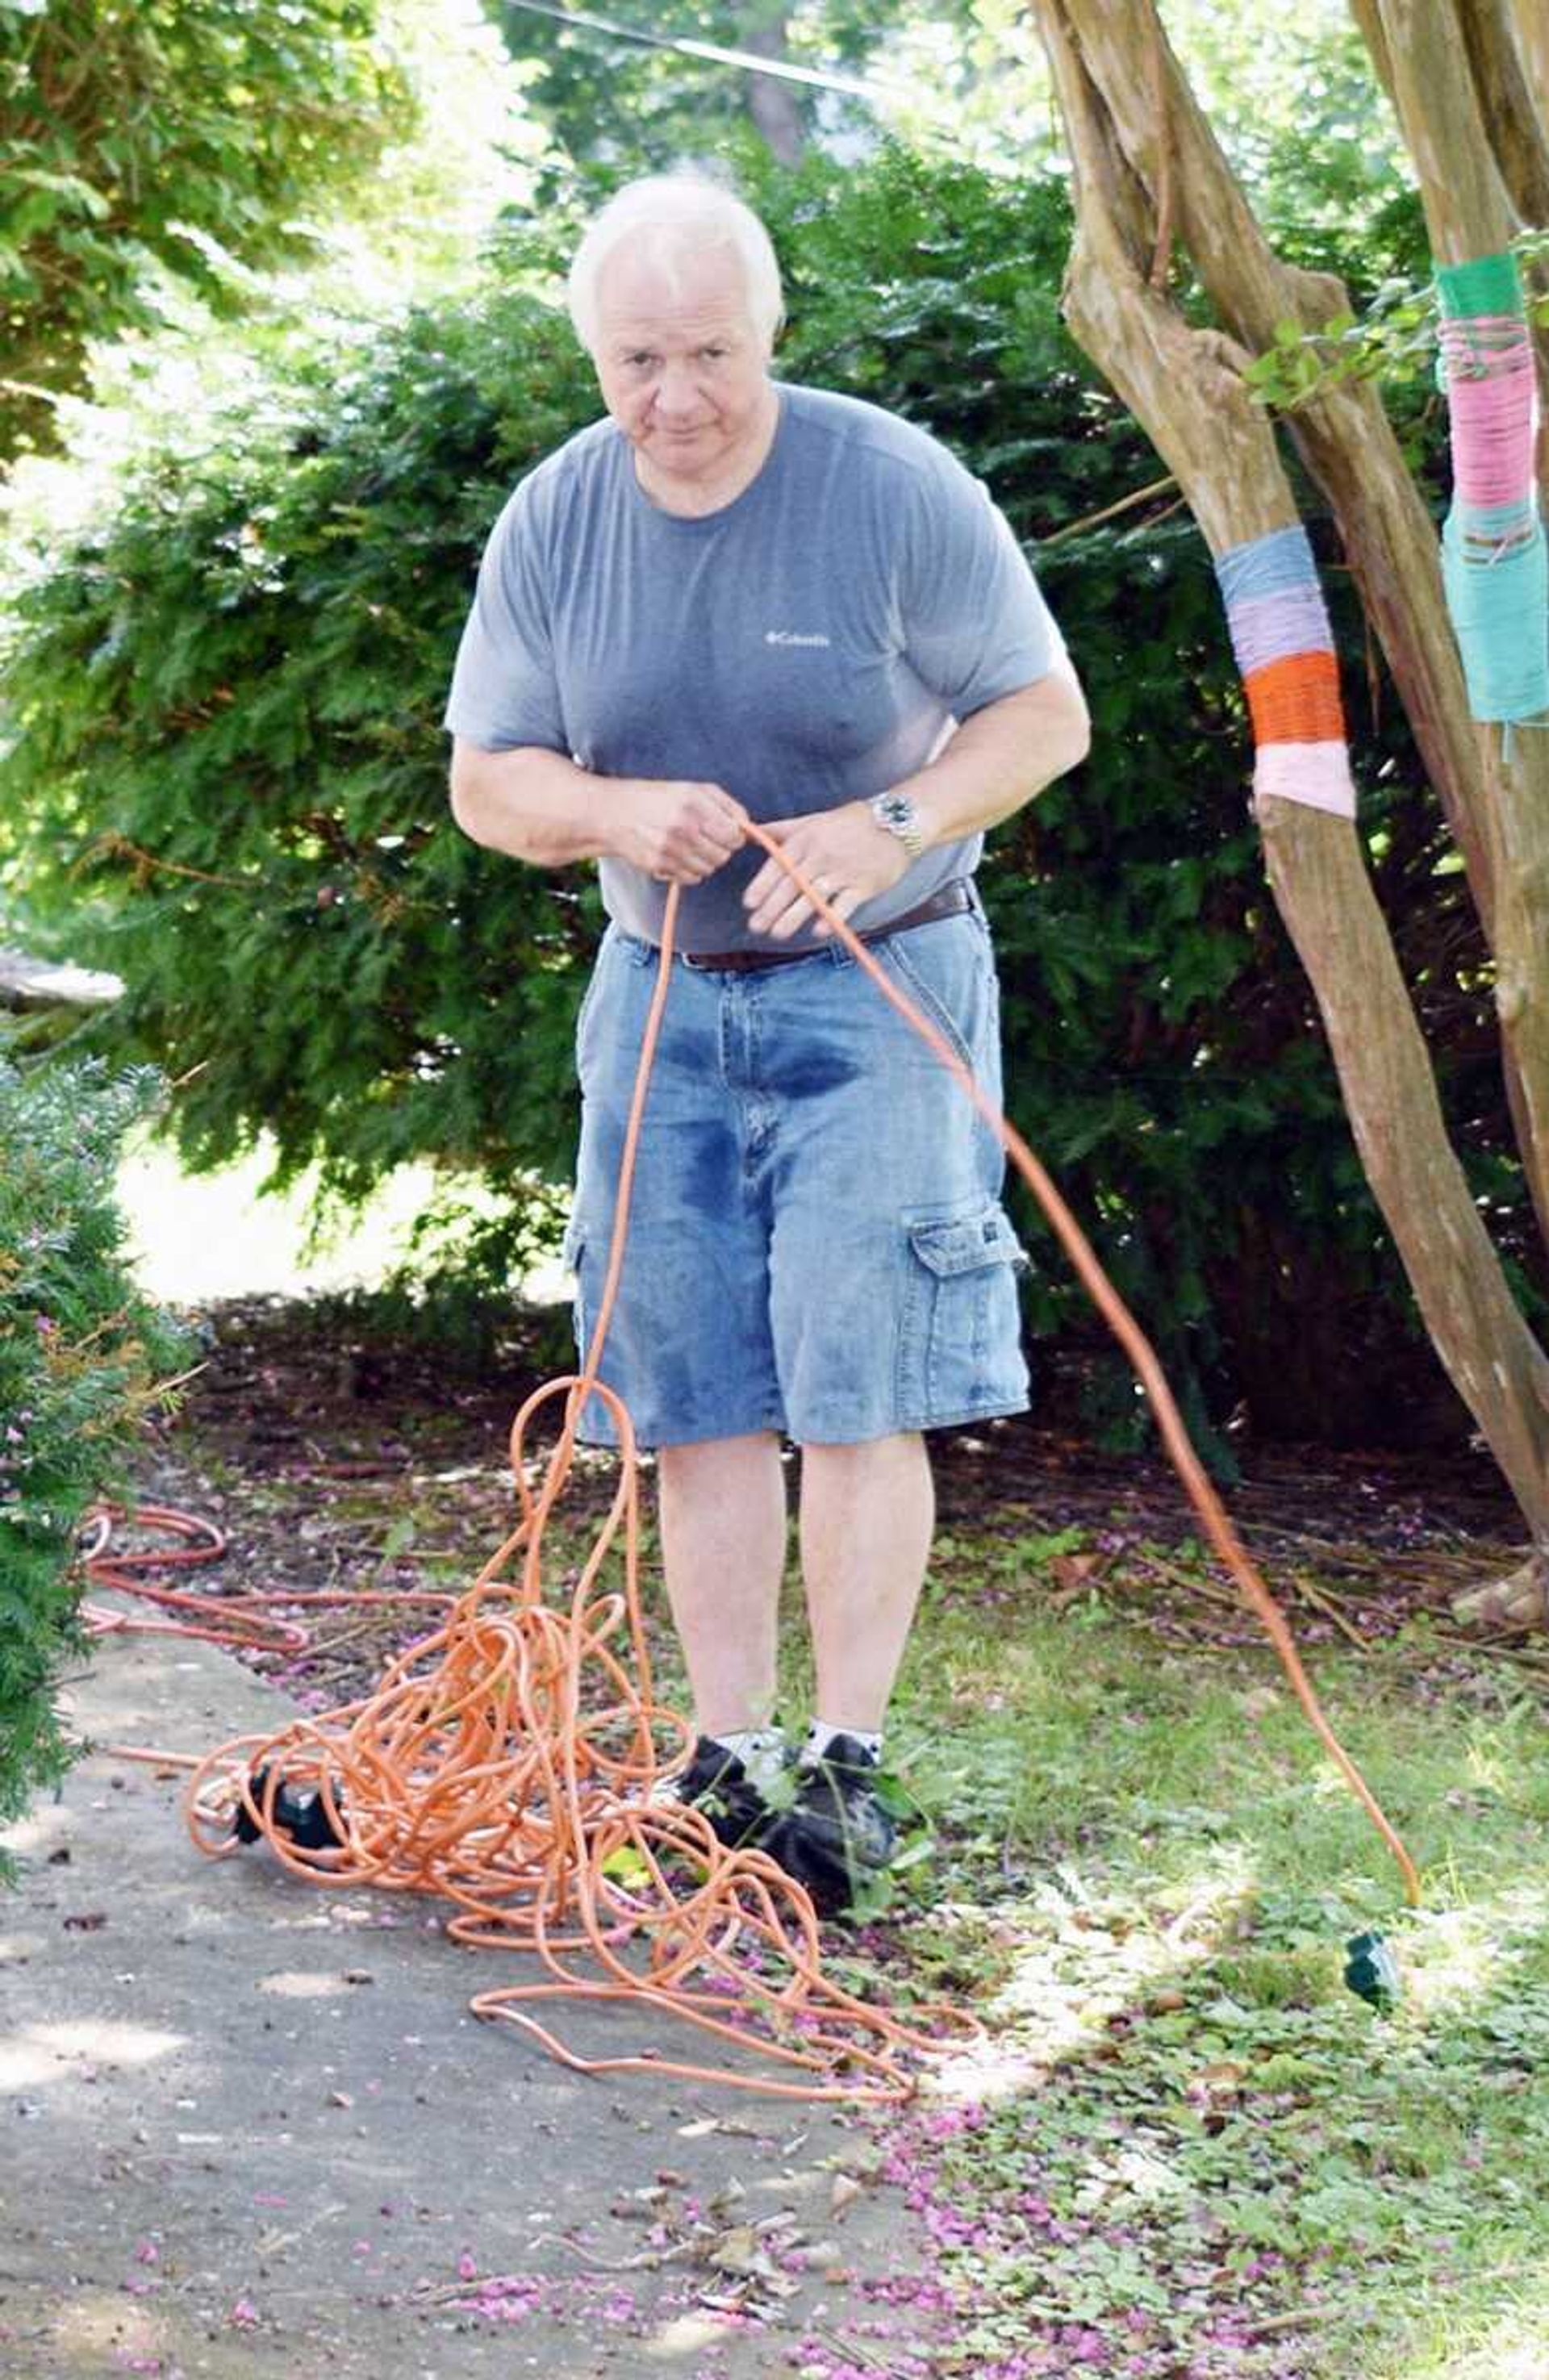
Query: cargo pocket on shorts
pixel 959 1345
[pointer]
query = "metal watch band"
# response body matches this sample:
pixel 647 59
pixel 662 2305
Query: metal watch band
pixel 897 814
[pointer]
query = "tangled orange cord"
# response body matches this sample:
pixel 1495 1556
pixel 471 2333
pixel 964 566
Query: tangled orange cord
pixel 507 1762
pixel 246 1622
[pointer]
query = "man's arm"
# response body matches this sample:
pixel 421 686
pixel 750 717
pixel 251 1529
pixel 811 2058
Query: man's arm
pixel 1001 757
pixel 996 761
pixel 535 805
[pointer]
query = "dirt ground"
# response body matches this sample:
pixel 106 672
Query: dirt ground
pixel 253 2131
pixel 333 1457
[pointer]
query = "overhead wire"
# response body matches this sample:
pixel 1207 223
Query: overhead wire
pixel 717 53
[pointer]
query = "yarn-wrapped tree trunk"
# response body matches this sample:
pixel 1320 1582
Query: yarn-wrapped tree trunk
pixel 1147 169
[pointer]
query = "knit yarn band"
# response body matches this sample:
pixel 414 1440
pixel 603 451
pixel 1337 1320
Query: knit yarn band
pixel 1495 562
pixel 1285 651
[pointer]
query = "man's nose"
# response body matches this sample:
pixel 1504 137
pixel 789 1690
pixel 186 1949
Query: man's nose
pixel 675 390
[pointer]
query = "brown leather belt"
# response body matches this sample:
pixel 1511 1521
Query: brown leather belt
pixel 950 901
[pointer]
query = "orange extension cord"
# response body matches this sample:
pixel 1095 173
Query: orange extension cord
pixel 506 1762
pixel 246 1622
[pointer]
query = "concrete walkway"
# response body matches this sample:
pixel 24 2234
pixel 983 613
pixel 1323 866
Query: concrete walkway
pixel 248 2128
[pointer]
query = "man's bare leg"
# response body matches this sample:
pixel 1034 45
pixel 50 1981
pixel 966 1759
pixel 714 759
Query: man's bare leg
pixel 723 1527
pixel 866 1517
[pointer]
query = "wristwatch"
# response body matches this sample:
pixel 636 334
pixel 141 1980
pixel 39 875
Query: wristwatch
pixel 896 814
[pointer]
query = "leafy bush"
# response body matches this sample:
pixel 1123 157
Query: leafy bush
pixel 81 1357
pixel 227 773
pixel 180 135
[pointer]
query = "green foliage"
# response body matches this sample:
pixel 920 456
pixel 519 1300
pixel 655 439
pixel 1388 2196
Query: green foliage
pixel 227 784
pixel 1185 2132
pixel 1394 339
pixel 1290 97
pixel 183 135
pixel 245 769
pixel 607 97
pixel 81 1355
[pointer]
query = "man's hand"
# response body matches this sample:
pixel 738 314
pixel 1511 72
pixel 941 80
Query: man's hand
pixel 676 831
pixel 843 853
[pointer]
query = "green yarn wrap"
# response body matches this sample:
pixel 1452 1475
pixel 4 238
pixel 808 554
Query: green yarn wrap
pixel 1487 285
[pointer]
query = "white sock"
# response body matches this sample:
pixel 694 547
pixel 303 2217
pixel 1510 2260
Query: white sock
pixel 761 1751
pixel 819 1735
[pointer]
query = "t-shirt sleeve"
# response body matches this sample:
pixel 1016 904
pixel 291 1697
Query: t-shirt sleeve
pixel 503 687
pixel 974 624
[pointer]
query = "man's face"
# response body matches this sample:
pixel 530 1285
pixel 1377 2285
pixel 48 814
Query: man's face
pixel 681 369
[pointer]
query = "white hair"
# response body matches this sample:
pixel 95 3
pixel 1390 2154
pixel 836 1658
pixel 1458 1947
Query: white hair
pixel 675 216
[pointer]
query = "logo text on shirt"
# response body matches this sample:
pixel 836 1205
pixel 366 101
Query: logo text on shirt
pixel 792 637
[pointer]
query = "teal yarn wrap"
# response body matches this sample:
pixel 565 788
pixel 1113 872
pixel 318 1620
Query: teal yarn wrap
pixel 1488 285
pixel 1495 561
pixel 1500 614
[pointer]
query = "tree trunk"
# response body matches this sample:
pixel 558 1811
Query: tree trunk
pixel 1530 20
pixel 1350 447
pixel 772 105
pixel 1469 213
pixel 46 1004
pixel 1504 98
pixel 1186 388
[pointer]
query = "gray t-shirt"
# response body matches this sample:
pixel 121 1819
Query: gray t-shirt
pixel 810 644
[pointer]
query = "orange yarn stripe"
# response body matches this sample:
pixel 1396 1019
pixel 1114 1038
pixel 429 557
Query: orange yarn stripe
pixel 1297 700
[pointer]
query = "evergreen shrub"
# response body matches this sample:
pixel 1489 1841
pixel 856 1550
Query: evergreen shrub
pixel 84 1357
pixel 227 775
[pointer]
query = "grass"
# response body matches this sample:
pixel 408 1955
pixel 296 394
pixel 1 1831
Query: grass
pixel 1187 2150
pixel 1204 2154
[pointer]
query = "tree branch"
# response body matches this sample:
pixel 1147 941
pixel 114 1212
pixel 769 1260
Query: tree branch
pixel 1505 108
pixel 1530 20
pixel 1497 816
pixel 1186 388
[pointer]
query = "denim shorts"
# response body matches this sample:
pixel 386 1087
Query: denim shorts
pixel 815 1242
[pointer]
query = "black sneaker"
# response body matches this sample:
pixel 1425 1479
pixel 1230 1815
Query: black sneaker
pixel 839 1834
pixel 717 1782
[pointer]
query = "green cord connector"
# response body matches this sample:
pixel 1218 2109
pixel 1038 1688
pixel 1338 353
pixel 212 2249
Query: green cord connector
pixel 1371 1972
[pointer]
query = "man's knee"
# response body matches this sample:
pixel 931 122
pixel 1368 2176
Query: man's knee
pixel 713 1457
pixel 897 1444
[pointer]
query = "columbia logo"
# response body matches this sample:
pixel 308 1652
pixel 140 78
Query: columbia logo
pixel 791 637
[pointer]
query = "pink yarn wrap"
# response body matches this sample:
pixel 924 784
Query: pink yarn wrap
pixel 1490 389
pixel 1317 774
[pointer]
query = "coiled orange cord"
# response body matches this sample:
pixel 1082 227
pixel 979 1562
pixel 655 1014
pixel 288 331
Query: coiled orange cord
pixel 505 1763
pixel 246 1622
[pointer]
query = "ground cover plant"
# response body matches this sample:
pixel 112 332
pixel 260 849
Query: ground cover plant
pixel 1186 2150
pixel 84 1357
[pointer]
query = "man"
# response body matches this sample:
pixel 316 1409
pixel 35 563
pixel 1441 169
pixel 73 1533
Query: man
pixel 738 599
